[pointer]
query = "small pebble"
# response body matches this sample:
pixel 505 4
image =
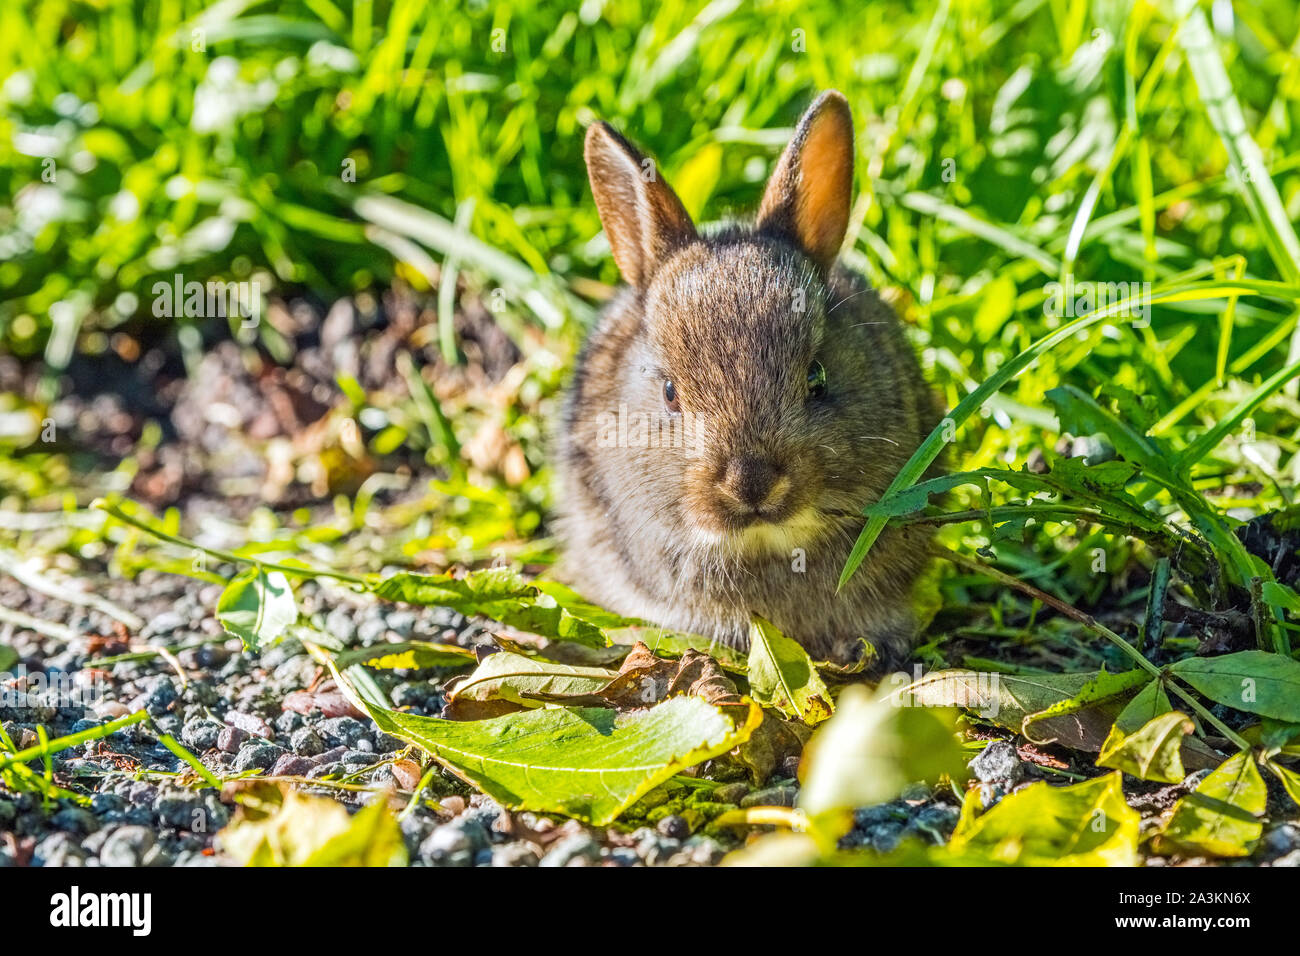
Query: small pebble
pixel 127 846
pixel 230 739
pixel 578 849
pixel 514 854
pixel 674 826
pixel 998 763
pixel 306 742
pixel 257 755
pixel 201 734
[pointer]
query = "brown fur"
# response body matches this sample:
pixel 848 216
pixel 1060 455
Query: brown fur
pixel 700 535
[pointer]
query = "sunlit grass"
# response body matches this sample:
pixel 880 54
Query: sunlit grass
pixel 1002 147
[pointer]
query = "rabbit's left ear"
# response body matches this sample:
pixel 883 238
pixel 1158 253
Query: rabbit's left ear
pixel 808 197
pixel 643 218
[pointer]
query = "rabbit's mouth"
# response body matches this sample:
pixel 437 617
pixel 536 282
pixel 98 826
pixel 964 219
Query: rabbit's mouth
pixel 757 534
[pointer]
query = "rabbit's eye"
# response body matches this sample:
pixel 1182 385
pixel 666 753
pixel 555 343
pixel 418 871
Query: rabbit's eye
pixel 670 398
pixel 816 380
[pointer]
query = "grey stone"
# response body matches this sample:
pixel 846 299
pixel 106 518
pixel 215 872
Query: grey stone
pixel 998 763
pixel 515 854
pixel 306 742
pixel 343 731
pixel 257 755
pixel 674 826
pixel 201 734
pixel 454 844
pixel 126 846
pixel 572 850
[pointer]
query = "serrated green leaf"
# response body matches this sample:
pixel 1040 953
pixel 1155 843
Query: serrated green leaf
pixel 1080 414
pixel 1068 477
pixel 587 762
pixel 1179 288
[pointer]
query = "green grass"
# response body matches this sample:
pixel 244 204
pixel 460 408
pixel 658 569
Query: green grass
pixel 1004 150
pixel 1001 147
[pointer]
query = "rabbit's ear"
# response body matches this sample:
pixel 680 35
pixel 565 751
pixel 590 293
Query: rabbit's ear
pixel 807 199
pixel 642 216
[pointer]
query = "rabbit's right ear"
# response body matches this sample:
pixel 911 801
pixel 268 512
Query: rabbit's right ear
pixel 808 197
pixel 642 216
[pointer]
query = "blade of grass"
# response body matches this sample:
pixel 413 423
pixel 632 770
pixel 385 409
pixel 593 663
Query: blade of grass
pixel 43 750
pixel 1246 162
pixel 115 511
pixel 934 442
pixel 1207 442
pixel 447 288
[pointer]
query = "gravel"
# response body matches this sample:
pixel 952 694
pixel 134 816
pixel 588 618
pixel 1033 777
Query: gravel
pixel 144 807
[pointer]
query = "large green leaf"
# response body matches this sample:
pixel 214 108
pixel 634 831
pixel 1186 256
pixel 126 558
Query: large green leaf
pixel 1103 686
pixel 590 763
pixel 1221 817
pixel 782 675
pixel 506 676
pixel 499 594
pixel 1259 682
pixel 257 606
pixel 1152 752
pixel 1087 824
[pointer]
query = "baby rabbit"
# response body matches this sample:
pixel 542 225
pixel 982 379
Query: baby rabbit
pixel 738 403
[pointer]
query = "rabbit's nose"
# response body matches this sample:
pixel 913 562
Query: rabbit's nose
pixel 753 483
